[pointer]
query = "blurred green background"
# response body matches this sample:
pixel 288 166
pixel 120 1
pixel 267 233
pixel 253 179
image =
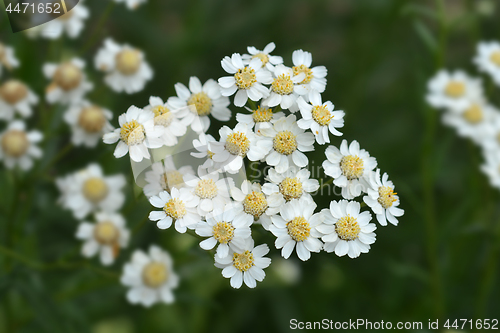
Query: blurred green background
pixel 441 262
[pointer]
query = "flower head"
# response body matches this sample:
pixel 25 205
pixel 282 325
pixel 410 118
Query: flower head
pixel 18 146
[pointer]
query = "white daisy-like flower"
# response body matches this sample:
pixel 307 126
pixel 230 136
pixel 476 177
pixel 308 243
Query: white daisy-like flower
pixel 320 117
pixel 260 118
pixel 491 137
pixel 349 167
pixel 315 77
pixel 453 90
pixel 206 99
pixel 212 191
pixel 132 4
pixel 382 199
pixel 178 206
pixel 88 123
pixel 15 96
pixel 88 190
pixel 251 205
pixel 69 82
pixel 150 277
pixel 203 146
pixel 125 67
pixel 70 23
pixel 285 88
pixel 296 227
pixel 347 231
pixel 7 58
pixel 287 143
pixel 245 265
pixel 164 176
pixel 283 187
pixel 136 134
pixel 221 229
pixel 234 145
pixel 18 146
pixel 105 237
pixel 246 81
pixel 268 60
pixel 168 118
pixel 488 59
pixel 491 167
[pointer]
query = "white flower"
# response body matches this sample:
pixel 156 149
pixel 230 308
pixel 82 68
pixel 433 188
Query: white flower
pixel 349 167
pixel 453 90
pixel 69 82
pixel 150 276
pixel 212 191
pixel 178 206
pixel 491 167
pixel 168 119
pixel 488 59
pixel 491 136
pixel 15 96
pixel 245 265
pixel 286 143
pixel 105 237
pixel 88 190
pixel 206 100
pixel 246 81
pixel 136 134
pixel 125 67
pixel 285 88
pixel 268 60
pixel 221 228
pixel 382 199
pixel 262 117
pixel 203 145
pixel 347 231
pixel 297 226
pixel 165 176
pixel 7 58
pixel 18 146
pixel 315 78
pixel 88 123
pixel 320 117
pixel 70 23
pixel 132 4
pixel 251 205
pixel 283 187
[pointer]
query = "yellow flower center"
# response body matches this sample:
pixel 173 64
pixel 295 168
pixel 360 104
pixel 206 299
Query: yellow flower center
pixel 237 143
pixel 132 133
pixel 299 229
pixel 283 85
pixel 15 143
pixel 68 76
pixel 243 261
pixel 495 58
pixel 170 180
pixel 262 115
pixel 128 61
pixel 206 189
pixel 155 274
pixel 352 167
pixel 92 119
pixel 455 89
pixel 106 233
pixel 95 189
pixel 255 204
pixel 163 116
pixel 209 154
pixel 202 102
pixel 263 57
pixel 347 228
pixel 291 188
pixel 474 114
pixel 13 91
pixel 321 115
pixel 285 142
pixel 223 232
pixel 386 196
pixel 245 78
pixel 306 70
pixel 175 208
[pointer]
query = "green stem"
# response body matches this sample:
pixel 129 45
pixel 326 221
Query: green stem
pixel 98 28
pixel 328 182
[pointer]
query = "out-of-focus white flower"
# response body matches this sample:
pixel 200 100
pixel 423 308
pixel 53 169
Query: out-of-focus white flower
pixel 132 4
pixel 491 167
pixel 349 166
pixel 136 134
pixel 164 176
pixel 315 78
pixel 245 265
pixel 150 277
pixel 268 60
pixel 7 58
pixel 88 123
pixel 18 146
pixel 70 23
pixel 105 237
pixel 285 88
pixel 69 82
pixel 15 96
pixel 491 136
pixel 125 67
pixel 488 59
pixel 168 119
pixel 203 145
pixel 251 205
pixel 88 190
pixel 262 117
pixel 288 270
pixel 206 100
